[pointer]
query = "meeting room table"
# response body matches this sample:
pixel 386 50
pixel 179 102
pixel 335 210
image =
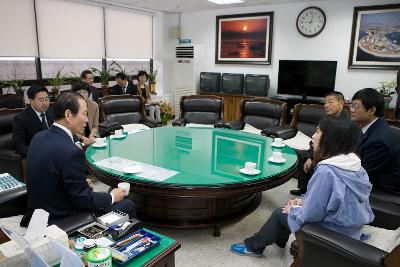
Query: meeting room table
pixel 183 177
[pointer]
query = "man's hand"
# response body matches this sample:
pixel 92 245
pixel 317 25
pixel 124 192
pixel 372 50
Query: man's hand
pixel 307 166
pixel 118 194
pixel 88 141
pixel 90 183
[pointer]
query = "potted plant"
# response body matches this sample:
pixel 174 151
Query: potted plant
pixel 14 83
pixel 124 71
pixel 152 80
pixel 105 74
pixel 56 82
pixel 387 89
pixel 167 112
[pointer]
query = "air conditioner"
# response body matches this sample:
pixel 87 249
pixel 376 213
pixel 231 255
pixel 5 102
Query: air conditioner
pixel 188 65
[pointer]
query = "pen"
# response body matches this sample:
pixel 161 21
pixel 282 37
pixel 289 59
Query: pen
pixel 129 239
pixel 137 243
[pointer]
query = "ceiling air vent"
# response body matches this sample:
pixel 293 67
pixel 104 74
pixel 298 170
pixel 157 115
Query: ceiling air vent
pixel 184 52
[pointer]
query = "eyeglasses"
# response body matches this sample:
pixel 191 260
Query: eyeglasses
pixel 44 99
pixel 355 106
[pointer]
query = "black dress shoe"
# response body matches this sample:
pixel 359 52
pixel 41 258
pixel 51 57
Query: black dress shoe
pixel 297 192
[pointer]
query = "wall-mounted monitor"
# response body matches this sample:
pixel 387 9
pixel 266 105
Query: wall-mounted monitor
pixel 256 85
pixel 232 83
pixel 210 82
pixel 307 78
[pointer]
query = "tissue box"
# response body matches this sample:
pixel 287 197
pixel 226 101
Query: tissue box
pixel 13 255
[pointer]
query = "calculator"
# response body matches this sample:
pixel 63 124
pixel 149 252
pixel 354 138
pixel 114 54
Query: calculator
pixel 7 182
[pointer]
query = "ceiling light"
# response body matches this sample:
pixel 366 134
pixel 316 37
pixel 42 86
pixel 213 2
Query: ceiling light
pixel 226 2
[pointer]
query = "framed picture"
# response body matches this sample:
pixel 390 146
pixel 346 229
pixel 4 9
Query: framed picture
pixel 375 37
pixel 244 38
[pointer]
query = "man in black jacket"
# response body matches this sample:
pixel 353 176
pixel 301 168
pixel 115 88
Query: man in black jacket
pixel 334 103
pixel 123 86
pixel 378 147
pixel 35 118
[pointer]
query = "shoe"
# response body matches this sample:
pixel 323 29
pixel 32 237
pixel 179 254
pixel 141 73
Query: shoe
pixel 297 192
pixel 240 249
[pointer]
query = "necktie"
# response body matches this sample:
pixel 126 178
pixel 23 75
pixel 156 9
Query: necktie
pixel 44 123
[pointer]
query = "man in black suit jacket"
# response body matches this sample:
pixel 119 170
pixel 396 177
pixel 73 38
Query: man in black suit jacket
pixel 35 118
pixel 378 147
pixel 123 86
pixel 56 167
pixel 87 77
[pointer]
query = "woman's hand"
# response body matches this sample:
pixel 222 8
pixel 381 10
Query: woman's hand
pixel 292 203
pixel 88 141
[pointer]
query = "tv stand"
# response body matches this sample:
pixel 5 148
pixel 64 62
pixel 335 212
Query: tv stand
pixel 292 100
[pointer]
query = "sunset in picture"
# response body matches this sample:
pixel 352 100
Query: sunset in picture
pixel 243 38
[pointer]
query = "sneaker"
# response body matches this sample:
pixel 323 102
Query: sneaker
pixel 240 249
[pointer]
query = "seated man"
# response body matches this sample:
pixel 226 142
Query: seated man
pixel 334 102
pixel 378 146
pixel 56 167
pixel 87 77
pixel 35 118
pixel 123 86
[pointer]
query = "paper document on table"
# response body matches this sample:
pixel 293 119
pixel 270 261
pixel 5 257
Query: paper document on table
pixel 148 171
pixel 135 128
pixel 300 141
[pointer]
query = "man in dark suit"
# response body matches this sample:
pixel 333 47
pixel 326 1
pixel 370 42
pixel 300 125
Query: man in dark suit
pixel 378 147
pixel 87 77
pixel 35 118
pixel 56 167
pixel 334 103
pixel 123 86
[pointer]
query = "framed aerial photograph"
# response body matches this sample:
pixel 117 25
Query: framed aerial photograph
pixel 244 38
pixel 375 37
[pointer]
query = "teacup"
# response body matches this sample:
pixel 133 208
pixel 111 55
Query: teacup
pixel 125 186
pixel 118 132
pixel 250 166
pixel 277 155
pixel 100 141
pixel 278 141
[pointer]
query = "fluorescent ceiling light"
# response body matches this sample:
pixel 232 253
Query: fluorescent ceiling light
pixel 16 58
pixel 226 2
pixel 70 59
pixel 128 59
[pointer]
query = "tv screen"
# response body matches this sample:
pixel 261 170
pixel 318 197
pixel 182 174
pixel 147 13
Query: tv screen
pixel 210 81
pixel 232 83
pixel 309 78
pixel 256 85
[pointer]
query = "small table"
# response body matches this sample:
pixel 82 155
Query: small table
pixel 208 188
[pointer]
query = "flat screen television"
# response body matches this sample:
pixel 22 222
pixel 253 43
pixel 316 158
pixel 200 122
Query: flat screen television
pixel 232 83
pixel 256 85
pixel 210 81
pixel 306 78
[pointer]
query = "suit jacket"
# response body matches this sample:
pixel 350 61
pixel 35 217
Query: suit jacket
pixel 94 93
pixel 117 90
pixel 57 177
pixel 379 149
pixel 25 125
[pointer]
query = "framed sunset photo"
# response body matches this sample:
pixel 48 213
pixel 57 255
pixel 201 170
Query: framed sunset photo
pixel 244 38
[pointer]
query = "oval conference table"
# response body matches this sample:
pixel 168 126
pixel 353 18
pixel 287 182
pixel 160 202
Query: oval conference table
pixel 183 177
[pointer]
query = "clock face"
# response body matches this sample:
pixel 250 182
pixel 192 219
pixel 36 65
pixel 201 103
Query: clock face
pixel 311 21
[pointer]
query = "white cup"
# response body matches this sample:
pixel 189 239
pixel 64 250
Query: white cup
pixel 277 155
pixel 278 141
pixel 125 186
pixel 250 166
pixel 118 132
pixel 100 141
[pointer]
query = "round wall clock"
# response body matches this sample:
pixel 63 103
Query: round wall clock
pixel 311 21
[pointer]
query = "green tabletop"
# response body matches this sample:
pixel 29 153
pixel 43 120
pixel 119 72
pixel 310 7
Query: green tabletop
pixel 201 156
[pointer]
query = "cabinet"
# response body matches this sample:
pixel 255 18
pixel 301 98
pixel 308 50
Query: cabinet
pixel 231 105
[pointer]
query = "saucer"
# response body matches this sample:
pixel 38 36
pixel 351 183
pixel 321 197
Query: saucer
pixel 253 172
pixel 278 145
pixel 132 169
pixel 119 136
pixel 99 144
pixel 282 160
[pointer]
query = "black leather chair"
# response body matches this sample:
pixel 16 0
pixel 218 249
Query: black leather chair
pixel 75 222
pixel 319 246
pixel 260 113
pixel 201 109
pixel 10 160
pixel 125 109
pixel 12 101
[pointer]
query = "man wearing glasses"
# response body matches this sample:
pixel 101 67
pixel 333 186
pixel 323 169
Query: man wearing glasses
pixel 378 147
pixel 35 118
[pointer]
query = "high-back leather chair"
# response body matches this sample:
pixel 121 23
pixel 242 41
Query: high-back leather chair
pixel 260 113
pixel 10 160
pixel 12 101
pixel 124 109
pixel 201 109
pixel 306 117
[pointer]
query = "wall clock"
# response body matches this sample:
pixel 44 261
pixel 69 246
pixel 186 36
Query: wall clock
pixel 311 21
